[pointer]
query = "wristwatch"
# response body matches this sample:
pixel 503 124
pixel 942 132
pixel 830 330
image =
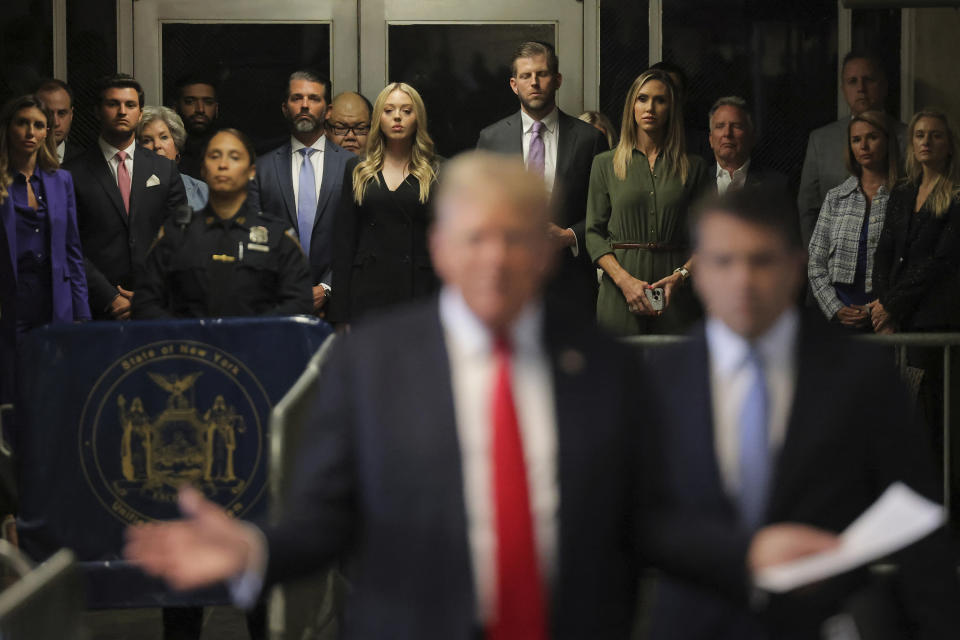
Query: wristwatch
pixel 684 273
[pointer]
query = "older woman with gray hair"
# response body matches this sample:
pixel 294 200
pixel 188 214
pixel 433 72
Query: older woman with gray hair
pixel 161 130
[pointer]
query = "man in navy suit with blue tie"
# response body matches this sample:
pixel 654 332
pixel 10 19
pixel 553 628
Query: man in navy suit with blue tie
pixel 771 417
pixel 300 181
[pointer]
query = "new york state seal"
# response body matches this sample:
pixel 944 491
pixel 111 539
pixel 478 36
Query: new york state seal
pixel 171 413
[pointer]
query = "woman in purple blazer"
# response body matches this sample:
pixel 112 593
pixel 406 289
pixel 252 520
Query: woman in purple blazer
pixel 43 255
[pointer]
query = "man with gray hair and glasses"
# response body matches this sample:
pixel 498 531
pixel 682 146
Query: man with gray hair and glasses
pixel 732 137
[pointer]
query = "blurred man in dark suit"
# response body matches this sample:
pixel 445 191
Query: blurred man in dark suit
pixel 478 457
pixel 299 182
pixel 732 136
pixel 58 97
pixel 771 417
pixel 124 194
pixel 559 147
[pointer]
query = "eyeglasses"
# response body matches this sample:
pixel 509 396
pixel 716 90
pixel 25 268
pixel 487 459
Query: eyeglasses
pixel 358 129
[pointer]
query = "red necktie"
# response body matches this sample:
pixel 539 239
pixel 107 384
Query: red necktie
pixel 123 179
pixel 520 608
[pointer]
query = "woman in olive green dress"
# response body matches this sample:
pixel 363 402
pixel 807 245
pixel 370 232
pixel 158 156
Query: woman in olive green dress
pixel 637 206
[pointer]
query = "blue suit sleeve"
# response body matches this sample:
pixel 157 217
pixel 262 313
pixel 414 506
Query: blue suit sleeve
pixel 75 265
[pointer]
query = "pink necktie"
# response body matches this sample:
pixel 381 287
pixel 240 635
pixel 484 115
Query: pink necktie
pixel 123 180
pixel 521 612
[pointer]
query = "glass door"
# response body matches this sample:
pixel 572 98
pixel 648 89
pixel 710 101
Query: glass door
pixel 457 55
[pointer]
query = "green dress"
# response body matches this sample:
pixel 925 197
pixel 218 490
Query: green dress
pixel 649 206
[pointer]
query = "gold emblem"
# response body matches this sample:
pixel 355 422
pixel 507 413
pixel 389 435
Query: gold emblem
pixel 172 413
pixel 259 235
pixel 179 445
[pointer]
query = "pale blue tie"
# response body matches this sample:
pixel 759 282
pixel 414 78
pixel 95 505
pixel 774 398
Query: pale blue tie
pixel 754 445
pixel 306 200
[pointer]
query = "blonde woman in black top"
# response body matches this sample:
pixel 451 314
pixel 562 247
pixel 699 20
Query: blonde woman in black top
pixel 380 253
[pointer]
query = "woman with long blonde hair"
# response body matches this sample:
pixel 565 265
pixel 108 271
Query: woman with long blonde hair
pixel 637 205
pixel 380 253
pixel 917 268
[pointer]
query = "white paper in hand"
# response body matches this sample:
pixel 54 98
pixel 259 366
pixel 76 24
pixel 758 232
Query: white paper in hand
pixel 897 519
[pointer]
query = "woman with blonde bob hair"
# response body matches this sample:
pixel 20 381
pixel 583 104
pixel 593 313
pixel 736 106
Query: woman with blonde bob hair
pixel 637 205
pixel 380 253
pixel 844 242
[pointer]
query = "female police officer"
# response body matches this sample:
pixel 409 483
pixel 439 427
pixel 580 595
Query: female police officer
pixel 228 259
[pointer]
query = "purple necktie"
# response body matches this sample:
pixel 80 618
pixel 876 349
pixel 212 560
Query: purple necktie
pixel 535 156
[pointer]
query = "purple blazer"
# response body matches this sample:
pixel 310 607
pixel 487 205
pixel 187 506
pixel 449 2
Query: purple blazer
pixel 69 279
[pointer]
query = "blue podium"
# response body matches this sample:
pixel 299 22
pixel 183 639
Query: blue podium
pixel 113 417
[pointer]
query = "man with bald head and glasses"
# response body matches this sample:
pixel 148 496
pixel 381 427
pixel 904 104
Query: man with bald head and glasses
pixel 348 122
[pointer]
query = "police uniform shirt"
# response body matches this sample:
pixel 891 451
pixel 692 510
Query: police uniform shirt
pixel 248 265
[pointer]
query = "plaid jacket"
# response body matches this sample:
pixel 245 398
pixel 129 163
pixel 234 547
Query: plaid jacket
pixel 836 239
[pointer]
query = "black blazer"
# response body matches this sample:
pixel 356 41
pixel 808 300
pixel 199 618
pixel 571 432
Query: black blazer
pixel 916 273
pixel 850 435
pixel 758 176
pixel 380 254
pixel 72 150
pixel 8 319
pixel 115 245
pixel 381 479
pixel 271 191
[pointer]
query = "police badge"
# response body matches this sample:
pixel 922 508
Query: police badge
pixel 259 235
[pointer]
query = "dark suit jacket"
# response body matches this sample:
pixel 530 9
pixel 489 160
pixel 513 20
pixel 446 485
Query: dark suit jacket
pixel 577 144
pixel 758 176
pixel 71 150
pixel 850 435
pixel 917 265
pixel 381 479
pixel 115 244
pixel 272 192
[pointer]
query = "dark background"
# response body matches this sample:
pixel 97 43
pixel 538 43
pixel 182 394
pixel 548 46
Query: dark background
pixel 780 55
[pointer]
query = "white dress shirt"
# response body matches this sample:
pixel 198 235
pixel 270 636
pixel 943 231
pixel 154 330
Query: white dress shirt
pixel 472 367
pixel 730 379
pixel 725 180
pixel 61 150
pixel 316 161
pixel 550 134
pixel 110 155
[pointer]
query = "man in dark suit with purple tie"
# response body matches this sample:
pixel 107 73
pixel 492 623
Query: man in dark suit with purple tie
pixel 124 194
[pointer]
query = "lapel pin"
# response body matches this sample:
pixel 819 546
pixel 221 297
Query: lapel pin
pixel 571 361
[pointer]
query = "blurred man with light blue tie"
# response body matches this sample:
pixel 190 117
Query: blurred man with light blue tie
pixel 771 417
pixel 300 181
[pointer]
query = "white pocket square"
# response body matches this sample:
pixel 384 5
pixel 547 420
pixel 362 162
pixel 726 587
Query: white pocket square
pixel 153 181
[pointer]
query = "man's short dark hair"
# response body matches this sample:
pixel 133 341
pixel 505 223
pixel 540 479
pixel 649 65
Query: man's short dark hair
pixel 191 78
pixel 54 84
pixel 863 54
pixel 118 81
pixel 535 48
pixel 676 70
pixel 311 75
pixel 755 205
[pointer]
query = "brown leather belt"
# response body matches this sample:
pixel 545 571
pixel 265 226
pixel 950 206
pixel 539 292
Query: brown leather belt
pixel 650 246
